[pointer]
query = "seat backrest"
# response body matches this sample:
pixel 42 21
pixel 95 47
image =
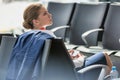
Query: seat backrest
pixel 7 44
pixel 112 28
pixel 61 14
pixel 56 62
pixel 5 34
pixel 87 16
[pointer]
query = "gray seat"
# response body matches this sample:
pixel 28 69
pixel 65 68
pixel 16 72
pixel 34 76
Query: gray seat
pixel 112 28
pixel 87 16
pixel 111 35
pixel 57 64
pixel 61 14
pixel 7 44
pixel 5 34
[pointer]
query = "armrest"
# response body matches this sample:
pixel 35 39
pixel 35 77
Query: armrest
pixel 60 27
pixel 85 34
pixel 119 40
pixel 90 69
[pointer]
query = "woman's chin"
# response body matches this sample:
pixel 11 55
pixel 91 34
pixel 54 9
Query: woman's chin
pixel 50 24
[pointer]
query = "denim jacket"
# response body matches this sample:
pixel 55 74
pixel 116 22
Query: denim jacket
pixel 25 58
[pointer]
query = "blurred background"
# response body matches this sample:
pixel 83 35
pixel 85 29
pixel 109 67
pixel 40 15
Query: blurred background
pixel 11 12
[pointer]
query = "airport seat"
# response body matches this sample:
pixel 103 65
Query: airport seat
pixel 87 16
pixel 61 14
pixel 5 34
pixel 7 44
pixel 111 28
pixel 57 64
pixel 111 37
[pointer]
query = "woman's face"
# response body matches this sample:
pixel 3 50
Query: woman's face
pixel 44 19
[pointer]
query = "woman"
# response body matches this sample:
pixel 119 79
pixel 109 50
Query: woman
pixel 37 18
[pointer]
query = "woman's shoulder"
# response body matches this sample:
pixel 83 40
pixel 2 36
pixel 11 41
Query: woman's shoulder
pixel 49 32
pixel 37 33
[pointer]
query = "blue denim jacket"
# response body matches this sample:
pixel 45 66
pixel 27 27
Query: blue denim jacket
pixel 25 58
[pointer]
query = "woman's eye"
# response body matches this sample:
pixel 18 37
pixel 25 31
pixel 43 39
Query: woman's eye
pixel 44 14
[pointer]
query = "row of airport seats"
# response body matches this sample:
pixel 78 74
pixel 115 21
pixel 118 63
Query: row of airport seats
pixel 102 19
pixel 81 17
pixel 56 63
pixel 88 23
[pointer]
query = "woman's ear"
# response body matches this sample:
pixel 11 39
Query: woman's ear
pixel 35 21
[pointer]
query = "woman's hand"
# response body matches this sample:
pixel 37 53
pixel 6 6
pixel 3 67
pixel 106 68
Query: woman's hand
pixel 75 54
